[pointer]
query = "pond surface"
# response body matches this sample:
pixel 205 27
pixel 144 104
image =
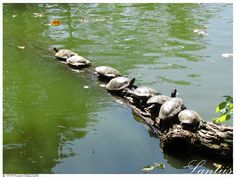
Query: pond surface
pixel 59 121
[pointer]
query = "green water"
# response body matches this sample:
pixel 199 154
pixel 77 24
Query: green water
pixel 53 124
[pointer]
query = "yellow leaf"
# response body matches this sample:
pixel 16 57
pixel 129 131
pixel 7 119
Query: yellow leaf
pixel 55 22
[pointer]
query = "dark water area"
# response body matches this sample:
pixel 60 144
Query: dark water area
pixel 59 121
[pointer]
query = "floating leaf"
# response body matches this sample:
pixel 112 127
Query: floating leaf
pixel 200 31
pixel 38 14
pixel 226 55
pixel 21 47
pixel 148 168
pixel 217 165
pixel 55 22
pixel 119 101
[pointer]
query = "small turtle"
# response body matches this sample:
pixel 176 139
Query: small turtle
pixel 119 85
pixel 169 111
pixel 106 72
pixel 154 103
pixel 63 54
pixel 78 62
pixel 189 119
pixel 141 94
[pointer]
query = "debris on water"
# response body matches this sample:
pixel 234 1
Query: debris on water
pixel 21 47
pixel 38 14
pixel 102 85
pixel 74 70
pixel 151 167
pixel 55 22
pixel 83 20
pixel 60 126
pixel 119 101
pixel 181 46
pixel 14 16
pixel 200 31
pixel 217 165
pixel 227 55
pixel 86 87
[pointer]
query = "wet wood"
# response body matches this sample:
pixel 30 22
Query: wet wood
pixel 212 140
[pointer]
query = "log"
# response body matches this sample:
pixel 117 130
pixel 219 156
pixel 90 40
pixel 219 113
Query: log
pixel 210 139
pixel 213 140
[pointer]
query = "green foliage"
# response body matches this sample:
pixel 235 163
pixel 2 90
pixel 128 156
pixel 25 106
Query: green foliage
pixel 151 167
pixel 225 109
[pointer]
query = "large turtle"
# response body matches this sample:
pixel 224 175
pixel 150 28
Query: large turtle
pixel 119 85
pixel 169 111
pixel 141 94
pixel 63 54
pixel 189 119
pixel 155 102
pixel 106 72
pixel 78 62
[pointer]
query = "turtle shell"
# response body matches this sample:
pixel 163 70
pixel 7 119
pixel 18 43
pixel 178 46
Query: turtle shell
pixel 158 99
pixel 189 118
pixel 144 91
pixel 171 108
pixel 107 71
pixel 78 61
pixel 119 83
pixel 64 54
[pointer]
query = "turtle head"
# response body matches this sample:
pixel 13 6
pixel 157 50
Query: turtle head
pixel 56 50
pixel 173 93
pixel 132 82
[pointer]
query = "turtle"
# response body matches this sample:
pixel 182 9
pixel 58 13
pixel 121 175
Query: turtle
pixel 141 94
pixel 63 54
pixel 154 103
pixel 78 62
pixel 120 85
pixel 169 111
pixel 106 72
pixel 189 119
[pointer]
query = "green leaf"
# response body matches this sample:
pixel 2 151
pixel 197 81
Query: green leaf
pixel 229 98
pixel 221 119
pixel 231 106
pixel 223 111
pixel 222 105
pixel 162 166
